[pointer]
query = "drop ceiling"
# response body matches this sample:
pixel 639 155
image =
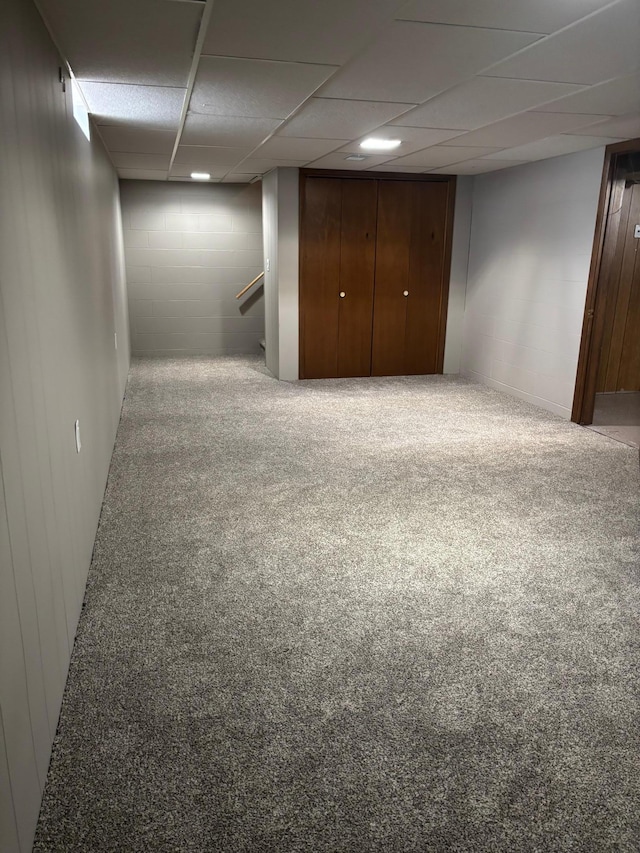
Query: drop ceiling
pixel 238 87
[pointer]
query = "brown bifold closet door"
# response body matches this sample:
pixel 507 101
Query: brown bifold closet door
pixel 410 287
pixel 337 267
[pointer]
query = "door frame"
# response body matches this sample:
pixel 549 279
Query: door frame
pixel 450 180
pixel 604 242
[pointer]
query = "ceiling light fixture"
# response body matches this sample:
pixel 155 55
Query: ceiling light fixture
pixel 376 144
pixel 200 176
pixel 357 157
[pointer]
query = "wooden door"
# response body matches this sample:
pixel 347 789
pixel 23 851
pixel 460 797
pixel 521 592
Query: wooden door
pixel 337 256
pixel 411 285
pixel 619 367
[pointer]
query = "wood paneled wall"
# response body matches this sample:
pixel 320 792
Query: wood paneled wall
pixel 62 298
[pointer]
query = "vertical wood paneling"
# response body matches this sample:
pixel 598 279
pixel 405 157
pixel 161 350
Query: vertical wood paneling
pixel 357 272
pixel 62 295
pixel 320 277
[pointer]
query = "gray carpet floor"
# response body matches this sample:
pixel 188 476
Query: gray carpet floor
pixel 352 615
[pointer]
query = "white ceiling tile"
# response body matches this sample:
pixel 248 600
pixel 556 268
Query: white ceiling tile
pixel 621 127
pixel 292 147
pixel 140 161
pixel 135 141
pixel 209 156
pixel 442 155
pixel 476 167
pixel 145 42
pixel 552 146
pixel 258 166
pixel 413 62
pixel 232 131
pixel 237 178
pixel 614 98
pixel 328 32
pixel 339 161
pixel 142 174
pixel 408 170
pixel 180 170
pixel 413 138
pixel 150 107
pixel 254 88
pixel 595 49
pixel 337 119
pixel 540 16
pixel 483 100
pixel 523 128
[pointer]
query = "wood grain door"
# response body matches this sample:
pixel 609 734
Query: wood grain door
pixel 337 264
pixel 619 368
pixel 411 285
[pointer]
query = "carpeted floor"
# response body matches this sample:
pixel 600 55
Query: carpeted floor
pixel 353 615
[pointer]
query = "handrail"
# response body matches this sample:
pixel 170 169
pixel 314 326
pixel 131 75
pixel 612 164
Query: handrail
pixel 251 283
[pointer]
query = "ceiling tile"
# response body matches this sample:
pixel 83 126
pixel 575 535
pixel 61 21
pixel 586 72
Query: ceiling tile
pixel 145 42
pixel 180 170
pixel 541 16
pixel 231 131
pixel 258 166
pixel 614 98
pixel 523 128
pixel 237 178
pixel 135 141
pixel 476 167
pixel 339 161
pixel 149 107
pixel 141 161
pixel 595 49
pixel 291 147
pixel 142 174
pixel 389 167
pixel 413 62
pixel 483 100
pixel 552 146
pixel 621 127
pixel 209 156
pixel 442 155
pixel 328 32
pixel 336 119
pixel 254 88
pixel 413 138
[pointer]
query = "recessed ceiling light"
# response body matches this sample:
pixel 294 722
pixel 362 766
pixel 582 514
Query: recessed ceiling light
pixel 200 176
pixel 374 144
pixel 356 157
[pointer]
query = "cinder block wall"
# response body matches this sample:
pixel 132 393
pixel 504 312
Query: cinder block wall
pixel 189 249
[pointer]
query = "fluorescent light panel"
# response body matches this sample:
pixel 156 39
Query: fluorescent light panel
pixel 375 144
pixel 200 176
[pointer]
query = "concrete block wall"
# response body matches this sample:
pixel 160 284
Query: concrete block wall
pixel 189 249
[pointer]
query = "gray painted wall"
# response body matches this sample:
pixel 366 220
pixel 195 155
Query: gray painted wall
pixel 62 298
pixel 189 249
pixel 531 243
pixel 280 193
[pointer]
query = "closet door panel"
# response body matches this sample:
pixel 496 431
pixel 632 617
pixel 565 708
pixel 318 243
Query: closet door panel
pixel 393 263
pixel 357 270
pixel 426 285
pixel 319 277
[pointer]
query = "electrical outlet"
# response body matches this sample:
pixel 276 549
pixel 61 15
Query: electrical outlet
pixel 78 442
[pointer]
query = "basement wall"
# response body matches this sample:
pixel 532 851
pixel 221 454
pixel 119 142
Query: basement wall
pixel 531 242
pixel 189 249
pixel 62 299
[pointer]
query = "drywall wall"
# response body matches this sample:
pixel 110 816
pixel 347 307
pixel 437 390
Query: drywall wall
pixel 280 192
pixel 62 300
pixel 531 241
pixel 458 277
pixel 189 249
